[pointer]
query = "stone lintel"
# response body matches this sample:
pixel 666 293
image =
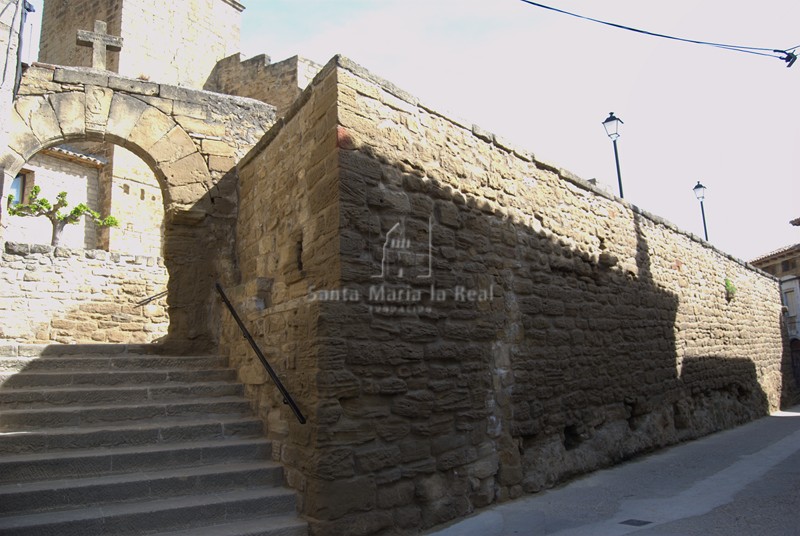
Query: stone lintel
pixel 66 75
pixel 132 85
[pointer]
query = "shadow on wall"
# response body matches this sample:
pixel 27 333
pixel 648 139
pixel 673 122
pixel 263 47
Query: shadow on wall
pixel 70 295
pixel 571 365
pixel 198 251
pixel 622 388
pixel 790 367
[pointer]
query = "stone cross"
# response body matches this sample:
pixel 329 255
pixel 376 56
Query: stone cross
pixel 100 42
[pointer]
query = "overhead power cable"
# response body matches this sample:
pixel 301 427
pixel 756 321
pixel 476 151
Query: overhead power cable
pixel 788 55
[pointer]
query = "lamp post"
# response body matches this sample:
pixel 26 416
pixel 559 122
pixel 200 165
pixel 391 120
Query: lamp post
pixel 700 194
pixel 611 124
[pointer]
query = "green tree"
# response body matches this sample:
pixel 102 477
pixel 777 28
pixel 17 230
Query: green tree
pixel 42 207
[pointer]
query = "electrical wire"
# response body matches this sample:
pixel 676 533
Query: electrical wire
pixel 788 55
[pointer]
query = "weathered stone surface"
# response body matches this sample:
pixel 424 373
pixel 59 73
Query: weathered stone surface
pixel 80 76
pixel 189 170
pixel 89 301
pixel 129 85
pixel 70 111
pixel 123 116
pixel 173 146
pixel 98 106
pixel 41 117
pixel 152 126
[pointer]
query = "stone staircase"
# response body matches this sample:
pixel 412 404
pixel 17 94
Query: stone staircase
pixel 116 440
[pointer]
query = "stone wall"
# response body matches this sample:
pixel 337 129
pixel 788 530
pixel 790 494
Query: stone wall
pixel 61 22
pixel 60 295
pixel 191 139
pixel 9 41
pixel 287 239
pixel 171 42
pixel 276 83
pixel 488 324
pixel 137 203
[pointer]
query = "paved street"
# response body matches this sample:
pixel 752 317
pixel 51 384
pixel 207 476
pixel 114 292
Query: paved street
pixel 740 482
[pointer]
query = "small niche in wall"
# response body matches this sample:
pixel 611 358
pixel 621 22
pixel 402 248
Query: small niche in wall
pixel 126 188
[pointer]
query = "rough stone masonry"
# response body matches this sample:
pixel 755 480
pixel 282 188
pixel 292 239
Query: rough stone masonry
pixel 464 323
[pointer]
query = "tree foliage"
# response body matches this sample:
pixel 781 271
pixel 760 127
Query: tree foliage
pixel 37 206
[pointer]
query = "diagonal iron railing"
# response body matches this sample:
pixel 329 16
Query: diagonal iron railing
pixel 152 298
pixel 287 398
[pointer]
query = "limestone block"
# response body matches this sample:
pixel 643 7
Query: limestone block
pixel 221 163
pixel 253 374
pixel 190 169
pixel 41 117
pixel 191 109
pixel 175 145
pixel 70 111
pixel 150 128
pixel 165 105
pixel 132 86
pixel 10 160
pixel 334 499
pixel 98 106
pixel 38 81
pixel 68 75
pixel 21 139
pixel 188 195
pixel 201 127
pixel 217 147
pixel 122 118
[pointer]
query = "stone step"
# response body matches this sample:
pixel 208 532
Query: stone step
pixel 115 435
pixel 54 397
pixel 106 378
pixel 79 416
pixel 55 495
pixel 18 468
pixel 101 362
pixel 61 350
pixel 143 517
pixel 260 526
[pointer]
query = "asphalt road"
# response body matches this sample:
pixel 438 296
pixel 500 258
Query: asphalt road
pixel 740 482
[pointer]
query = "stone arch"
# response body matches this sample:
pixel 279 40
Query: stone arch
pixel 95 113
pixel 101 114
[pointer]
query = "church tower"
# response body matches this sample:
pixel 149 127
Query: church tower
pixel 175 43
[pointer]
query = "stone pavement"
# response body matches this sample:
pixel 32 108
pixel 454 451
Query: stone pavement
pixel 738 482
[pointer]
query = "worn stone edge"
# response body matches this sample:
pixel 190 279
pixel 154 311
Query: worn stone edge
pixel 86 75
pixel 528 156
pixel 14 349
pixel 293 110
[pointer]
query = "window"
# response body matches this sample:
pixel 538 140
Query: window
pixel 790 301
pixel 788 265
pixel 17 189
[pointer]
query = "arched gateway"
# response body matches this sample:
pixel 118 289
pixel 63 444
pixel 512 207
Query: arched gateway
pixel 190 139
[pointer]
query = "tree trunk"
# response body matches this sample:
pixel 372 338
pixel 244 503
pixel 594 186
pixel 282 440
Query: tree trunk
pixel 58 228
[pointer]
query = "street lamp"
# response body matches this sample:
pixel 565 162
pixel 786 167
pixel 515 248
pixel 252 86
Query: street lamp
pixel 611 124
pixel 700 194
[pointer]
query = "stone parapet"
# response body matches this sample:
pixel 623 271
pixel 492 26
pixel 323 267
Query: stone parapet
pixel 68 296
pixel 277 83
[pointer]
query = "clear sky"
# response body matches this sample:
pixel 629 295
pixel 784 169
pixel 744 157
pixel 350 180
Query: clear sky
pixel 546 81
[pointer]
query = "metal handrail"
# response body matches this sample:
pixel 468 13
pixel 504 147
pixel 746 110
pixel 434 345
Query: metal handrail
pixel 287 398
pixel 152 298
